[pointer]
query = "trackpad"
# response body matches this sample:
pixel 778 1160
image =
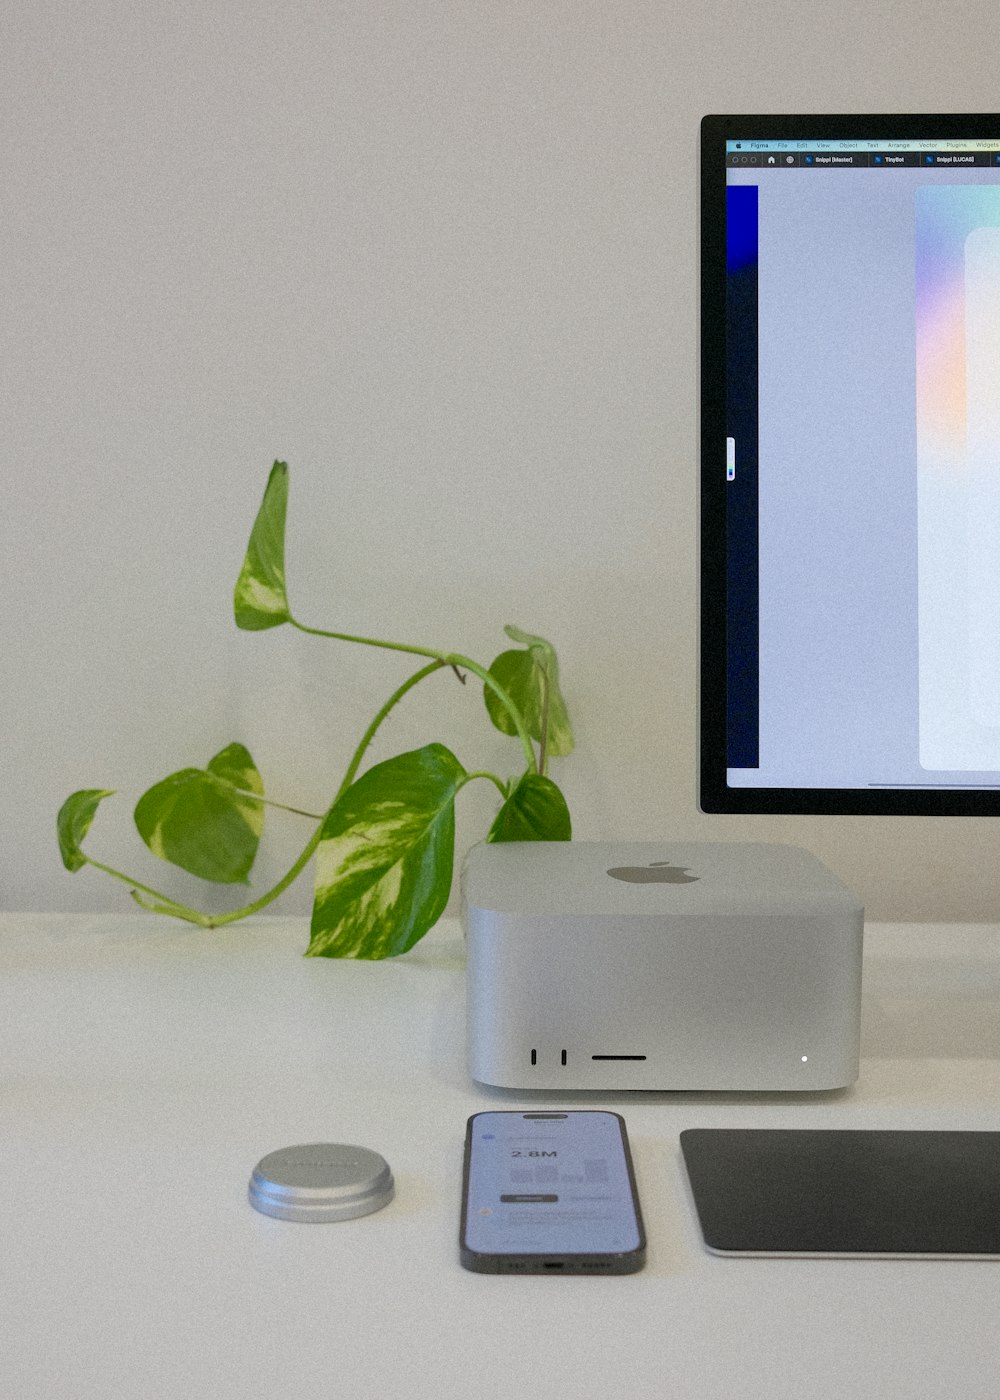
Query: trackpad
pixel 842 1192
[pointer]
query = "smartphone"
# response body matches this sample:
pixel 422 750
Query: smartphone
pixel 550 1193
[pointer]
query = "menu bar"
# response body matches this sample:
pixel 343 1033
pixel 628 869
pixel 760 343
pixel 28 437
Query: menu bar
pixel 954 144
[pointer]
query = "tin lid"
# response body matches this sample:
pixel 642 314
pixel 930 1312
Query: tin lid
pixel 321 1181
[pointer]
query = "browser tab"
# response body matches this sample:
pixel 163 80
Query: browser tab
pixel 828 160
pixel 957 159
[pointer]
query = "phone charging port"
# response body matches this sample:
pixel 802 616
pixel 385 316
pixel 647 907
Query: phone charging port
pixel 553 1264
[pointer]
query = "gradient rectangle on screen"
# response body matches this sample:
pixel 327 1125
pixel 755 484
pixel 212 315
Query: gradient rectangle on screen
pixel 957 380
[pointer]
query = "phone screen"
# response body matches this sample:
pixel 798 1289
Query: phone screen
pixel 553 1184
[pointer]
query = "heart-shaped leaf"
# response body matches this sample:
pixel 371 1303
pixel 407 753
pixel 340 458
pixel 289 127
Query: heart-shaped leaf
pixel 73 823
pixel 385 856
pixel 535 811
pixel 531 679
pixel 259 599
pixel 204 819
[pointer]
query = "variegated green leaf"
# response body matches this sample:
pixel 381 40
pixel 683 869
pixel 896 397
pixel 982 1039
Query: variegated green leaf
pixel 234 765
pixel 203 819
pixel 73 823
pixel 535 811
pixel 260 600
pixel 531 679
pixel 385 856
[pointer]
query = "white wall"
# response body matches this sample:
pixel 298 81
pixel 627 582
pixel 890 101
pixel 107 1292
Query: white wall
pixel 442 258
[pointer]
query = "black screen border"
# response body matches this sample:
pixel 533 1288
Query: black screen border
pixel 715 795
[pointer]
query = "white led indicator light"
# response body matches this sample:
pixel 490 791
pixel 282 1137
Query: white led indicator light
pixel 805 1059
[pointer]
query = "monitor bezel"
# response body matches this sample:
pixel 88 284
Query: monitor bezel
pixel 715 795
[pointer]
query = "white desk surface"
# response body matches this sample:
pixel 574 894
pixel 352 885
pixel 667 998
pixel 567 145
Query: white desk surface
pixel 146 1066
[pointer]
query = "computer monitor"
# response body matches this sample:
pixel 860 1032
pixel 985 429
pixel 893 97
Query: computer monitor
pixel 850 431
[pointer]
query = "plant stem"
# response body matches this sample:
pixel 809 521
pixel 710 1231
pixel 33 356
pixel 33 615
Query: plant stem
pixel 369 733
pixel 215 921
pixel 529 753
pixel 366 641
pixel 181 911
pixel 543 738
pixel 497 782
pixel 445 659
pixel 281 806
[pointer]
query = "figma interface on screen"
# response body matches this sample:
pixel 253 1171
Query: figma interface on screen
pixel 878 463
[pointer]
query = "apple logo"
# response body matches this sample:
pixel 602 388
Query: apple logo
pixel 658 872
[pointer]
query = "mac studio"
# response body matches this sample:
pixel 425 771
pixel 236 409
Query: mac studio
pixel 652 966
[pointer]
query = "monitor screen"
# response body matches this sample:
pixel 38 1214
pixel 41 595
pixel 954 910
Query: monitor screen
pixel 850 443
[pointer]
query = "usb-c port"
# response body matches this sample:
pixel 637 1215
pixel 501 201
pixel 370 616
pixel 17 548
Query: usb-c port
pixel 553 1264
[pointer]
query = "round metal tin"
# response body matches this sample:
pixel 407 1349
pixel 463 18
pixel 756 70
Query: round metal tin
pixel 321 1181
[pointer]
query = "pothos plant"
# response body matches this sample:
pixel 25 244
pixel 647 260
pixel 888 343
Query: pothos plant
pixel 384 848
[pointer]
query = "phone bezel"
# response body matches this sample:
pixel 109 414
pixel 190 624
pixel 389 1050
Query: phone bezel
pixel 543 1262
